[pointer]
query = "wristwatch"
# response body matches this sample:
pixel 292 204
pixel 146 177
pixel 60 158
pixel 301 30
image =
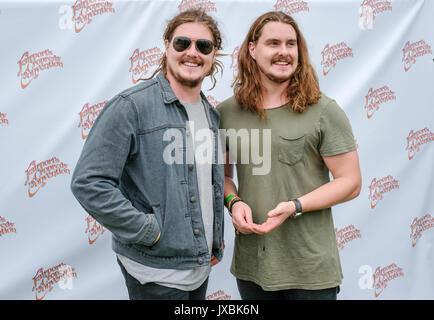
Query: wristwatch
pixel 298 208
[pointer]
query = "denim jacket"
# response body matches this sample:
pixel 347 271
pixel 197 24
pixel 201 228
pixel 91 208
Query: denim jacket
pixel 122 180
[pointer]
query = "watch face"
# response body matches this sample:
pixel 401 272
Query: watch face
pixel 296 215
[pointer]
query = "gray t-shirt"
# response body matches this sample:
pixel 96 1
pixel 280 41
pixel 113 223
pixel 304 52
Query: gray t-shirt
pixel 199 150
pixel 201 142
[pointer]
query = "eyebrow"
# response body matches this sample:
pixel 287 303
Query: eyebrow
pixel 279 40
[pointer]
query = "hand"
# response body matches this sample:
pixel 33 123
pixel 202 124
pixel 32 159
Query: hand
pixel 275 217
pixel 242 217
pixel 214 260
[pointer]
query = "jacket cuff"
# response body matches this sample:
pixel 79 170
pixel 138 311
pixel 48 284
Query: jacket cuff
pixel 151 230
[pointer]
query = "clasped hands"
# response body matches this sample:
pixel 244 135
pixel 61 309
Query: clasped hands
pixel 243 221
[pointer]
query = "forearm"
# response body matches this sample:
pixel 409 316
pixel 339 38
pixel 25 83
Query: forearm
pixel 229 187
pixel 334 192
pixel 103 200
pixel 345 186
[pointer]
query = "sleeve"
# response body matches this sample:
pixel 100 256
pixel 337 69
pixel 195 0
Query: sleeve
pixel 95 181
pixel 336 133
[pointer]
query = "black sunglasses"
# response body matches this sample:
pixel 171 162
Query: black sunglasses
pixel 205 46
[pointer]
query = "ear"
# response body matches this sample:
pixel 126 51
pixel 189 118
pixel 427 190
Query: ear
pixel 252 50
pixel 166 44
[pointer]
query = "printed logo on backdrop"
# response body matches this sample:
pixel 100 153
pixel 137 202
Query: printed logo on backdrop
pixel 206 5
pixel 291 6
pixel 418 226
pixel 382 277
pixel 88 115
pixel 6 227
pixel 332 54
pixel 31 64
pixel 3 119
pixel 369 9
pixel 38 174
pixel 142 61
pixel 413 51
pixel 44 281
pixel 82 13
pixel 347 234
pixel 94 229
pixel 213 101
pixel 381 186
pixel 375 97
pixel 416 139
pixel 218 295
pixel 234 64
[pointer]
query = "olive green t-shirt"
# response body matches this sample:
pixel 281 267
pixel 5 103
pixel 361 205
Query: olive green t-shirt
pixel 281 158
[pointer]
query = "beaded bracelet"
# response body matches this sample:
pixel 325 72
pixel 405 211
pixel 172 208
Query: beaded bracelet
pixel 233 202
pixel 228 198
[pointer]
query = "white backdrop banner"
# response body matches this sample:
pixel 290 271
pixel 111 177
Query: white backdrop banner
pixel 61 61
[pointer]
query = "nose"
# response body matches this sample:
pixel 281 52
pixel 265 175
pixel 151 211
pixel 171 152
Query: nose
pixel 284 50
pixel 192 50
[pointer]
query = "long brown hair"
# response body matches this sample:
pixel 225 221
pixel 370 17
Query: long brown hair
pixel 197 16
pixel 303 88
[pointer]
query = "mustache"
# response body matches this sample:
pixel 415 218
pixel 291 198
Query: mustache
pixel 192 60
pixel 281 59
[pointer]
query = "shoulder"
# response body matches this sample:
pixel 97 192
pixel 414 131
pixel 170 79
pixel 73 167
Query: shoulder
pixel 139 89
pixel 128 100
pixel 324 102
pixel 329 107
pixel 332 117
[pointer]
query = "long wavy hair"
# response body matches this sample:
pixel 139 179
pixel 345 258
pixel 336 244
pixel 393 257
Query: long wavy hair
pixel 303 89
pixel 197 16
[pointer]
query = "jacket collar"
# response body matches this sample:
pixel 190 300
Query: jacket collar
pixel 168 94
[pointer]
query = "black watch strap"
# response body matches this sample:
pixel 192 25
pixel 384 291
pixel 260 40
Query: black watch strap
pixel 298 208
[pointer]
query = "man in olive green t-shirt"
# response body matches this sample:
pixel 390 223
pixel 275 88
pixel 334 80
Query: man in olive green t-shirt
pixel 285 245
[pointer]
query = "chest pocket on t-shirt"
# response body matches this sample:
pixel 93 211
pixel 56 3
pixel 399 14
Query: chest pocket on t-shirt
pixel 291 149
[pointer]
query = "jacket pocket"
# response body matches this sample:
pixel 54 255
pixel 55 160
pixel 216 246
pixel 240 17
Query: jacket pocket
pixel 153 209
pixel 291 150
pixel 176 239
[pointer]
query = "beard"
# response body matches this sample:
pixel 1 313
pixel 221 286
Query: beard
pixel 276 78
pixel 191 83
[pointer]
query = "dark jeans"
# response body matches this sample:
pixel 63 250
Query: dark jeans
pixel 251 291
pixel 152 291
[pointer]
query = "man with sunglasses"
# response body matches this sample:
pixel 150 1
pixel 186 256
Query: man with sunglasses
pixel 135 178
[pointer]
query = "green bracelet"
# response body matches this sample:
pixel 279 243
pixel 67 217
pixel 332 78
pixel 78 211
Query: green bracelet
pixel 228 198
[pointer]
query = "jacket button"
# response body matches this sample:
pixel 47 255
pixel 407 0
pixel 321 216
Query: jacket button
pixel 192 199
pixel 196 231
pixel 200 260
pixel 190 167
